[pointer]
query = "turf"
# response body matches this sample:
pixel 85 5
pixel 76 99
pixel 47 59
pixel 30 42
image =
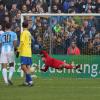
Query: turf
pixel 53 89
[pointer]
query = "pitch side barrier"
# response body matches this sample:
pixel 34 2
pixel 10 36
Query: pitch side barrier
pixel 90 66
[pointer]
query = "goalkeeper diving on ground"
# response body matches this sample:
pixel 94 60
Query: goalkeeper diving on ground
pixel 55 63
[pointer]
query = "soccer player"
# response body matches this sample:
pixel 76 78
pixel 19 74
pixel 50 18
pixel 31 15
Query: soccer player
pixel 25 52
pixel 54 63
pixel 8 40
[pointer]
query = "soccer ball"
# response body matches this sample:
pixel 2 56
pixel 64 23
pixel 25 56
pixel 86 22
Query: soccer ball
pixel 32 69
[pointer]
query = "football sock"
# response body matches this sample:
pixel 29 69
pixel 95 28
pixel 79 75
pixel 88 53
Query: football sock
pixel 28 78
pixel 11 71
pixel 4 73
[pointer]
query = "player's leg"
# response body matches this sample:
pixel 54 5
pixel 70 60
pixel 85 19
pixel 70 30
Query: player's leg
pixel 30 82
pixel 28 79
pixel 4 72
pixel 11 71
pixel 4 63
pixel 11 59
pixel 25 61
pixel 69 66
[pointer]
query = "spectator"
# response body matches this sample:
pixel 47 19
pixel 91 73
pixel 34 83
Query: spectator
pixel 98 6
pixel 28 4
pixel 1 30
pixel 65 6
pixel 7 19
pixel 33 9
pixel 76 6
pixel 24 9
pixel 56 7
pixel 39 7
pixel 96 44
pixel 90 46
pixel 87 6
pixel 37 46
pixel 73 49
pixel 14 10
pixel 59 47
pixel 2 13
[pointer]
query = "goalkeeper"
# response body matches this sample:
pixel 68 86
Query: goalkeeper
pixel 54 63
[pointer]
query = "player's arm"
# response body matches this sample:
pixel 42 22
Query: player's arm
pixel 43 53
pixel 15 48
pixel 15 40
pixel 15 44
pixel 22 39
pixel 45 68
pixel 18 49
pixel 0 43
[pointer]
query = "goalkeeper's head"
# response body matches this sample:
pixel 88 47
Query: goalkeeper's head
pixel 43 52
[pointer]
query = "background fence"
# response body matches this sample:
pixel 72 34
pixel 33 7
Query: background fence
pixel 56 33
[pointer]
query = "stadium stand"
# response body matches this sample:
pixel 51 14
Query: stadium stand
pixel 54 33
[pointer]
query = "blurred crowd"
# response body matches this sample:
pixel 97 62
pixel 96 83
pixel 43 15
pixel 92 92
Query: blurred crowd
pixel 27 6
pixel 57 34
pixel 51 6
pixel 10 11
pixel 75 6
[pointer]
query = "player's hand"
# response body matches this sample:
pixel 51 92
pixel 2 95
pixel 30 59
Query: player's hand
pixel 16 52
pixel 42 70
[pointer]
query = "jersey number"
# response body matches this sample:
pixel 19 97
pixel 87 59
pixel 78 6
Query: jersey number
pixel 7 38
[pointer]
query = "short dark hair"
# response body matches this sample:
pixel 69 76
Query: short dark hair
pixel 7 25
pixel 25 24
pixel 1 3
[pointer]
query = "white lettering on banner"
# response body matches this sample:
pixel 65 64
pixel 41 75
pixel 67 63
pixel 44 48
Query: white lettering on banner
pixel 52 70
pixel 87 68
pixel 59 71
pixel 94 71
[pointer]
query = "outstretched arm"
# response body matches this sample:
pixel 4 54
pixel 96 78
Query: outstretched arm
pixel 43 53
pixel 45 68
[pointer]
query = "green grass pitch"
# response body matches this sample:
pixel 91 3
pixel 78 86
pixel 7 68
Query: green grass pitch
pixel 53 89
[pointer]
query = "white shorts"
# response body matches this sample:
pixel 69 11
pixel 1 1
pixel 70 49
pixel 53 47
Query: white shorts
pixel 7 57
